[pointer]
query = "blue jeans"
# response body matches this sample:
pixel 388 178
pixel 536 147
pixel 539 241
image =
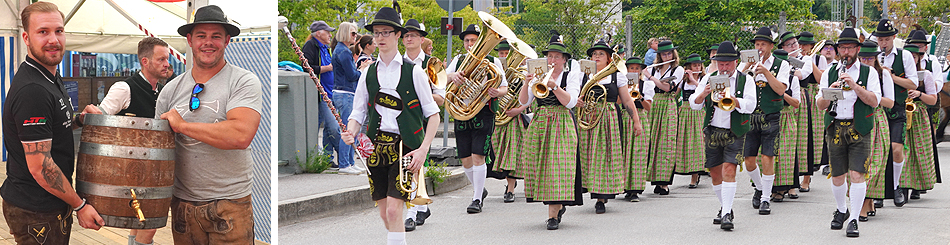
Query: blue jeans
pixel 331 130
pixel 344 106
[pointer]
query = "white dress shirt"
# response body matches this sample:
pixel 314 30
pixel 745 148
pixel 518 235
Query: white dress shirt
pixel 888 85
pixel 939 77
pixel 118 97
pixel 845 107
pixel 454 63
pixel 721 118
pixel 929 83
pixel 909 68
pixel 389 75
pixel 796 88
pixel 783 70
pixel 574 79
pixel 806 69
pixel 675 72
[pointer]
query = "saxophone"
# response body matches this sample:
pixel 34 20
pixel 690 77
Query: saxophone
pixel 515 74
pixel 595 102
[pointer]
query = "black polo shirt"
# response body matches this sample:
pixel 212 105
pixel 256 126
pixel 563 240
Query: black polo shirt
pixel 37 109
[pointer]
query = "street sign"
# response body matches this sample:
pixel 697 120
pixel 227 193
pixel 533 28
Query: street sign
pixel 455 26
pixel 456 5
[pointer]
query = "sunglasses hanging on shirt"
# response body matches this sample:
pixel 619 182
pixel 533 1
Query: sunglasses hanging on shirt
pixel 195 102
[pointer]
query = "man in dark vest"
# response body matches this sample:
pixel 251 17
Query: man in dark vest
pixel 136 97
pixel 903 70
pixel 394 100
pixel 723 130
pixel 473 136
pixel 771 79
pixel 847 132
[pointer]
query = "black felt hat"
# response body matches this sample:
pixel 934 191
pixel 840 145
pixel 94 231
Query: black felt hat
pixel 764 34
pixel 785 37
pixel 713 47
pixel 726 52
pixel 635 60
pixel 414 25
pixel 806 38
pixel 386 16
pixel 868 48
pixel 600 45
pixel 780 53
pixel 557 46
pixel 503 45
pixel 848 35
pixel 211 14
pixel 918 36
pixel 694 58
pixel 665 46
pixel 471 29
pixel 914 49
pixel 884 29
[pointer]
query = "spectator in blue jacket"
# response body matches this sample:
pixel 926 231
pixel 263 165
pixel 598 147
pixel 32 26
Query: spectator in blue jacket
pixel 345 78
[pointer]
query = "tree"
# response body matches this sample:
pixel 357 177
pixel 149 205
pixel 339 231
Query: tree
pixel 580 23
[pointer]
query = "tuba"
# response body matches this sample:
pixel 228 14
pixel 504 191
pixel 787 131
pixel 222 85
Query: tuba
pixel 466 100
pixel 515 75
pixel 595 102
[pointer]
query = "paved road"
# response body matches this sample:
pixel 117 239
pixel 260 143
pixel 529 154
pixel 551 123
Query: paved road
pixel 683 217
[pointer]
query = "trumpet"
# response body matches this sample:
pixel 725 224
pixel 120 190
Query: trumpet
pixel 909 108
pixel 539 87
pixel 635 91
pixel 751 69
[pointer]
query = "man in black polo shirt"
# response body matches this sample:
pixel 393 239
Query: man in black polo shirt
pixel 38 197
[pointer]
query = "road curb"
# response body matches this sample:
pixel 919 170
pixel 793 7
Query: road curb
pixel 346 200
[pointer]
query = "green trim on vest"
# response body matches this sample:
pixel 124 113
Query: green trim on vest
pixel 863 113
pixel 739 121
pixel 900 93
pixel 411 121
pixel 770 101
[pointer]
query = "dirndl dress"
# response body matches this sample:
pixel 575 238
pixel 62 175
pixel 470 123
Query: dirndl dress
pixel 689 141
pixel 663 118
pixel 636 152
pixel 601 156
pixel 507 141
pixel 880 147
pixel 919 172
pixel 551 169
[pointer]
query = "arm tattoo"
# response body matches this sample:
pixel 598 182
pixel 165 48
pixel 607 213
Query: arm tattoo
pixel 51 173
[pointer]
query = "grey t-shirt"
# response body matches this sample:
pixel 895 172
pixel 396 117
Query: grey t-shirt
pixel 203 172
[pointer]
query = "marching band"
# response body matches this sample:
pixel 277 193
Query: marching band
pixel 606 125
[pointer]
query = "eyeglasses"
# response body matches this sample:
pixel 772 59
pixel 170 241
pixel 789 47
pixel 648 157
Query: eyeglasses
pixel 867 59
pixel 195 102
pixel 849 47
pixel 383 33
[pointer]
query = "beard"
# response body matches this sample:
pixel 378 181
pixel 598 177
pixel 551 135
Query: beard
pixel 40 54
pixel 849 60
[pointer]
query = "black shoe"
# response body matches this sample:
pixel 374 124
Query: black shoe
pixel 878 203
pixel 826 171
pixel 485 193
pixel 599 207
pixel 838 221
pixel 634 197
pixel 777 197
pixel 915 194
pixel 923 192
pixel 764 208
pixel 509 197
pixel 726 222
pixel 626 197
pixel 552 224
pixel 410 225
pixel 718 219
pixel 756 199
pixel 663 192
pixel 804 189
pixel 853 229
pixel 863 218
pixel 657 189
pixel 561 213
pixel 422 216
pixel 476 207
pixel 899 198
pixel 872 213
pixel 792 195
pixel 692 186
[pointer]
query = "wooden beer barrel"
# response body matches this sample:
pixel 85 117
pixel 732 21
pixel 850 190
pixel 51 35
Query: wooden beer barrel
pixel 118 154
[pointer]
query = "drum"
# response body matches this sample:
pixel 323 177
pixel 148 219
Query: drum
pixel 119 156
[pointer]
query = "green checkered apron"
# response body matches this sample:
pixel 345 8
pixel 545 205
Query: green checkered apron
pixel 690 153
pixel 785 166
pixel 880 145
pixel 636 152
pixel 817 126
pixel 550 154
pixel 601 155
pixel 919 172
pixel 507 141
pixel 663 120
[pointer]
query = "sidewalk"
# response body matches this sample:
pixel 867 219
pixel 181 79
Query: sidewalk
pixel 304 197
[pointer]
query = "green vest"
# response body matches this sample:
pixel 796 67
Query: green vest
pixel 411 121
pixel 739 121
pixel 863 113
pixel 900 93
pixel 770 101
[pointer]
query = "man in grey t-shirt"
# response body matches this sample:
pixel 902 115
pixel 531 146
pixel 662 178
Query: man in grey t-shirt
pixel 214 109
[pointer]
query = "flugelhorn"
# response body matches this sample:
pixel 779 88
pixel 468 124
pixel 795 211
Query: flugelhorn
pixel 595 102
pixel 405 178
pixel 722 97
pixel 909 108
pixel 539 87
pixel 466 100
pixel 422 196
pixel 520 51
pixel 751 69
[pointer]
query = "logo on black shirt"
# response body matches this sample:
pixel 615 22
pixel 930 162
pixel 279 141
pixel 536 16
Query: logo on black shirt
pixel 34 121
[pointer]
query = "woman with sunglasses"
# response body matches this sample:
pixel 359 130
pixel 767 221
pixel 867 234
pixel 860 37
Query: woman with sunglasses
pixel 663 116
pixel 345 77
pixel 880 142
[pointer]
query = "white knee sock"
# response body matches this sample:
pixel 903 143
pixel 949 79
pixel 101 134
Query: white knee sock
pixel 756 178
pixel 898 167
pixel 718 190
pixel 396 238
pixel 423 208
pixel 468 174
pixel 478 176
pixel 728 195
pixel 840 192
pixel 411 212
pixel 767 181
pixel 858 191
